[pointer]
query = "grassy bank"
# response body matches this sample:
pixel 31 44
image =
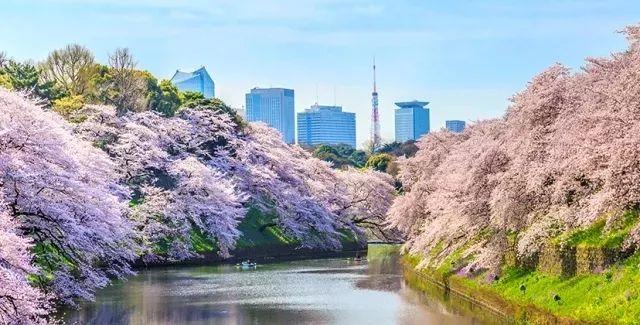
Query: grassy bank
pixel 581 276
pixel 255 233
pixel 476 297
pixel 611 296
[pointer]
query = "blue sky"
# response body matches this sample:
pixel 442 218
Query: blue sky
pixel 465 57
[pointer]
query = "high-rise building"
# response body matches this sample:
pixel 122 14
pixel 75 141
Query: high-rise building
pixel 412 120
pixel 198 81
pixel 455 126
pixel 326 125
pixel 275 107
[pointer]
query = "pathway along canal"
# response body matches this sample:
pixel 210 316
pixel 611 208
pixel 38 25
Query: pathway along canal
pixel 323 291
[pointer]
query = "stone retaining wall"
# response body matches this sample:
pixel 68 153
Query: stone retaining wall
pixel 566 261
pixel 595 259
pixel 558 260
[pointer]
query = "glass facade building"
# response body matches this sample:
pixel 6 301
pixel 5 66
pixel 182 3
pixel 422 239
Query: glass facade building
pixel 326 125
pixel 412 120
pixel 197 81
pixel 455 126
pixel 275 107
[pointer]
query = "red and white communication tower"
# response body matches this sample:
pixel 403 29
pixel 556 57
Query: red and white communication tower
pixel 375 116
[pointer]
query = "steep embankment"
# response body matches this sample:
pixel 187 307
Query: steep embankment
pixel 583 275
pixel 538 207
pixel 261 240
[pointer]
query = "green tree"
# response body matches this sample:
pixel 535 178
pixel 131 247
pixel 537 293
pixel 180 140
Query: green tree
pixel 167 99
pixel 341 155
pixel 26 77
pixel 4 80
pixel 358 158
pixel 154 94
pixel 379 162
pixel 190 96
pixel 98 84
pixel 128 88
pixel 70 68
pixel 68 105
pixel 330 154
pixel 22 76
pixel 400 149
pixel 170 95
pixel 120 84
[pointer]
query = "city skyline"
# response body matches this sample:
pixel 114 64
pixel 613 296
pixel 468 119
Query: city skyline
pixel 323 49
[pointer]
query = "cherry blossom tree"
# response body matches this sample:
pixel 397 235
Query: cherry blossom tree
pixel 206 199
pixel 199 170
pixel 564 155
pixel 63 192
pixel 20 303
pixel 366 198
pixel 278 179
pixel 173 166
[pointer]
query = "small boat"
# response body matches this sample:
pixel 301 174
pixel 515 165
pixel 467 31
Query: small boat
pixel 246 265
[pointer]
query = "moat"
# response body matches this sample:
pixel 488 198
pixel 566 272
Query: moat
pixel 319 291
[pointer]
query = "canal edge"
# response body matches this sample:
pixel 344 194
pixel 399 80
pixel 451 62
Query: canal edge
pixel 507 311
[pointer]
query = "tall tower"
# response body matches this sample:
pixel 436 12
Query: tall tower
pixel 375 117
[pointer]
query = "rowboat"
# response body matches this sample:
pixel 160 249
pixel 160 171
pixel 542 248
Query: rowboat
pixel 245 265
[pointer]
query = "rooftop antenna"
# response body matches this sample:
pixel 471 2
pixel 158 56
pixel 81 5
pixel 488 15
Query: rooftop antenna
pixel 375 89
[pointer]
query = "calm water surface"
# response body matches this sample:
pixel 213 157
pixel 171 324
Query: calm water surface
pixel 326 291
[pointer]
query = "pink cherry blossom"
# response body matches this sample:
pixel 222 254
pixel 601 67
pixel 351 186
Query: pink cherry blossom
pixel 20 303
pixel 64 194
pixel 565 154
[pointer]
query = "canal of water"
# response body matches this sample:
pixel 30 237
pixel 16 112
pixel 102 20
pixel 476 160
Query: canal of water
pixel 322 291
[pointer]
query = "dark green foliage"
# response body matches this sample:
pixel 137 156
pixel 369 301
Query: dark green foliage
pixel 22 75
pixel 341 155
pixel 400 149
pixel 190 96
pixel 259 229
pixel 26 76
pixel 166 98
pixel 358 158
pixel 49 258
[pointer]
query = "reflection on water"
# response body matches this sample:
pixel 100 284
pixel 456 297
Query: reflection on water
pixel 328 291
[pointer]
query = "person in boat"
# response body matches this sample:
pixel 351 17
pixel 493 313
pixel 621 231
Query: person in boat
pixel 247 263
